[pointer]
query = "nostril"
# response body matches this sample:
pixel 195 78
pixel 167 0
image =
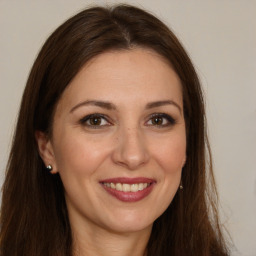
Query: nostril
pixel 130 150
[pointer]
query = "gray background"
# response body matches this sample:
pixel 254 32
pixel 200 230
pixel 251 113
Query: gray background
pixel 220 36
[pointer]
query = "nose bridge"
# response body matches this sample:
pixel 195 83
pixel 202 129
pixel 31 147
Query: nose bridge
pixel 131 150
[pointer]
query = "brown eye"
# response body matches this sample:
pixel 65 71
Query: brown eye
pixel 95 120
pixel 160 120
pixel 157 121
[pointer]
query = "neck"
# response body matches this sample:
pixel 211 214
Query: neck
pixel 101 242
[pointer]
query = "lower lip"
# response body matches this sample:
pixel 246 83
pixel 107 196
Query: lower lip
pixel 129 196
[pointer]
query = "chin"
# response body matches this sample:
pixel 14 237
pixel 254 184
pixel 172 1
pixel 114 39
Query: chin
pixel 130 222
pixel 125 228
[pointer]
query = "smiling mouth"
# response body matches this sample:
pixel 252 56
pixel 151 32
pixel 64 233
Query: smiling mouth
pixel 128 189
pixel 124 187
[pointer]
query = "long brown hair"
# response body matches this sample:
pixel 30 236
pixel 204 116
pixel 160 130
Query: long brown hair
pixel 34 219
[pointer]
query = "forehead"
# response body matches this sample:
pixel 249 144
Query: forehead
pixel 124 77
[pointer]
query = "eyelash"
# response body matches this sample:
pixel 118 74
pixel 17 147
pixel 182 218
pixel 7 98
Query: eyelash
pixel 87 118
pixel 170 121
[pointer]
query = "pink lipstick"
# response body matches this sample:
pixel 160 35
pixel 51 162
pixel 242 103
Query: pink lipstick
pixel 128 189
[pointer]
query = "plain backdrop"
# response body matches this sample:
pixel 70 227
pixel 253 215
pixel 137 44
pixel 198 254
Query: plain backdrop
pixel 220 37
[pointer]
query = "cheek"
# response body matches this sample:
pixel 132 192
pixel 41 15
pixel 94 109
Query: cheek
pixel 79 155
pixel 171 154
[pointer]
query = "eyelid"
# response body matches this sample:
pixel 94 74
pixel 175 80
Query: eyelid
pixel 83 120
pixel 171 121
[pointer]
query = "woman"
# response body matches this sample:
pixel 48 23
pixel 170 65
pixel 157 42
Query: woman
pixel 109 154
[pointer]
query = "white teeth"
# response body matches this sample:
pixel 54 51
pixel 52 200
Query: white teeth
pixel 119 187
pixel 127 187
pixel 134 187
pixel 141 186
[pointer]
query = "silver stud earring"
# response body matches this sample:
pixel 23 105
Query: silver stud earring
pixel 49 167
pixel 181 185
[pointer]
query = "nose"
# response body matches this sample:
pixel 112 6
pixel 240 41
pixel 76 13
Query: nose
pixel 131 151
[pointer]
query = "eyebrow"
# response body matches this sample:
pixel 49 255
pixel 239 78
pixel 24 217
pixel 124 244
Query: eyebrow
pixel 156 104
pixel 102 104
pixel 110 106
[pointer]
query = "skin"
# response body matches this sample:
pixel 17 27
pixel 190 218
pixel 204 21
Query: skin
pixel 127 143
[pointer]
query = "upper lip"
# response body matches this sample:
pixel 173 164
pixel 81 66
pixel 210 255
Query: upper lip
pixel 126 180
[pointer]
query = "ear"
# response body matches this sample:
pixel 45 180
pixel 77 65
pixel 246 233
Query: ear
pixel 46 150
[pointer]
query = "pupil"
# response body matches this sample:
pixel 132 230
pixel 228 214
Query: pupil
pixel 95 121
pixel 157 120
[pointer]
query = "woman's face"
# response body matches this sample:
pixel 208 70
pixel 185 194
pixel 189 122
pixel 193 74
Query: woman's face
pixel 119 141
